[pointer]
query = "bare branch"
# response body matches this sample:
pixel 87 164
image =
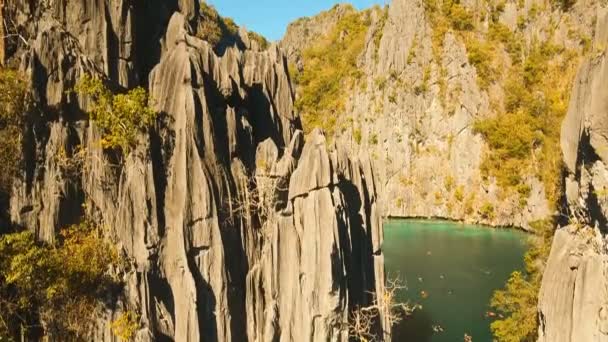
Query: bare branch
pixel 260 200
pixel 15 35
pixel 11 35
pixel 362 320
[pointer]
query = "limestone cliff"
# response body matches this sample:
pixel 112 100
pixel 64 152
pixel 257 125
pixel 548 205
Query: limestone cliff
pixel 573 302
pixel 418 99
pixel 234 227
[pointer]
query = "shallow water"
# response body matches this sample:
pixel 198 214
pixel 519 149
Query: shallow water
pixel 458 267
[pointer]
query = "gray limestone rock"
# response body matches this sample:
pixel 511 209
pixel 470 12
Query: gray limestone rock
pixel 205 262
pixel 574 293
pixel 422 143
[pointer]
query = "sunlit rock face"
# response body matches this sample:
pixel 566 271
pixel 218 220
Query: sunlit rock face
pixel 184 207
pixel 573 303
pixel 414 107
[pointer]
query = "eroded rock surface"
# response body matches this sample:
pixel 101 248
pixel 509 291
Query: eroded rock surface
pixel 206 261
pixel 414 108
pixel 574 294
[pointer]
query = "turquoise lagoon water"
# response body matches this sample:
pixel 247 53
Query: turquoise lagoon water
pixel 451 269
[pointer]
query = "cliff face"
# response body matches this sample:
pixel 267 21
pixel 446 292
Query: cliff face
pixel 574 294
pixel 234 227
pixel 416 105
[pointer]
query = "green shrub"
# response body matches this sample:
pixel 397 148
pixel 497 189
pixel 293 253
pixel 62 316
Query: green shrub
pixel 215 29
pixel 126 325
pixel 440 25
pixel 14 102
pixel 438 197
pixel 522 22
pixel 412 54
pixel 357 136
pixel 500 6
pixel 426 78
pixel 399 202
pixel 586 43
pixel 459 193
pixel 481 55
pixel 517 302
pixel 461 18
pixel 296 75
pixel 487 211
pixel 392 98
pixel 379 30
pixel 229 26
pixel 449 183
pixel 373 139
pixel 256 37
pixel 330 70
pixel 498 32
pixel 209 27
pixel 380 83
pixel 59 284
pixel 120 117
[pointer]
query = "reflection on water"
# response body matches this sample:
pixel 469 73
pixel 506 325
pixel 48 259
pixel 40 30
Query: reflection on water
pixel 451 270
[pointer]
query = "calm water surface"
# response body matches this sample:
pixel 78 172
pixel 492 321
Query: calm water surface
pixel 456 267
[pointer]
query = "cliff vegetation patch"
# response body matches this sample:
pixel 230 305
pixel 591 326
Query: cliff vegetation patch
pixel 121 117
pixel 14 100
pixel 517 302
pixel 330 71
pixel 216 29
pixel 524 138
pixel 54 289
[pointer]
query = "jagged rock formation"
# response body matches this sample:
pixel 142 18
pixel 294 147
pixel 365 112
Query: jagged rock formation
pixel 573 302
pixel 210 258
pixel 415 110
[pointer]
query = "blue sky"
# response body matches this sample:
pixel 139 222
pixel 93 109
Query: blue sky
pixel 271 17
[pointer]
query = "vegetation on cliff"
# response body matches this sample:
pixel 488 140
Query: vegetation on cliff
pixel 530 95
pixel 14 100
pixel 517 302
pixel 54 289
pixel 120 116
pixel 528 82
pixel 330 71
pixel 216 29
pixel 524 138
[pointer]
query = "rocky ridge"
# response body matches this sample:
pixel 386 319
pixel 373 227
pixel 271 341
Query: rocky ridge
pixel 416 106
pixel 573 302
pixel 234 227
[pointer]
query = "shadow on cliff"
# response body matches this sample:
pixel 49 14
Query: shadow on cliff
pixel 362 276
pixel 149 28
pixel 161 299
pixel 587 157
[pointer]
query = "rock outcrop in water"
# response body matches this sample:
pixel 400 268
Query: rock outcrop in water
pixel 573 302
pixel 234 227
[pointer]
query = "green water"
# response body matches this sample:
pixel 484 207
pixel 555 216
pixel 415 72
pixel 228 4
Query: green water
pixel 458 266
